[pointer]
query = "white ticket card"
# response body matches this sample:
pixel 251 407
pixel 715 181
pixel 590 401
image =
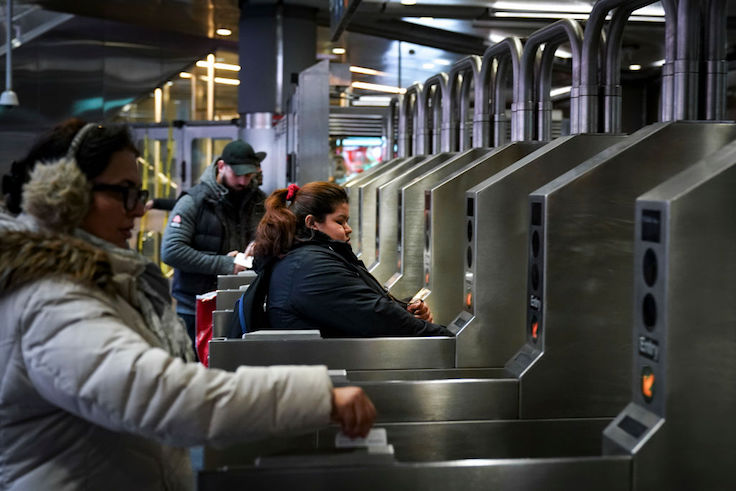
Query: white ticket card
pixel 375 437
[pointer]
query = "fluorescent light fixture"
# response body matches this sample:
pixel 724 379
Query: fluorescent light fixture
pixel 377 87
pixel 373 100
pixel 366 71
pixel 222 80
pixel 428 66
pixel 362 141
pixel 227 81
pixel 126 108
pixel 577 10
pixel 655 10
pixel 426 19
pixel 644 18
pixel 408 2
pixel 575 16
pixel 560 91
pixel 376 98
pixel 561 53
pixel 185 75
pixel 219 66
pixel 658 63
pixel 339 51
pixel 542 15
pixel 543 6
pixel 496 38
pixel 441 61
pixel 223 31
pixel 634 67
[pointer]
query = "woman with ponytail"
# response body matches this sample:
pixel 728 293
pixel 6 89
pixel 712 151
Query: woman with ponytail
pixel 316 282
pixel 97 387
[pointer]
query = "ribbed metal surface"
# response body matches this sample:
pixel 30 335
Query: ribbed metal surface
pixel 358 123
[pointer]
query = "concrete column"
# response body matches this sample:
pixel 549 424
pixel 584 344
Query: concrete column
pixel 275 41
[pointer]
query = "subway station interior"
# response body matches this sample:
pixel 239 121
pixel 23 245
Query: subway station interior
pixel 555 178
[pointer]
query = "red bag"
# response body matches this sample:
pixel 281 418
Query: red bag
pixel 203 325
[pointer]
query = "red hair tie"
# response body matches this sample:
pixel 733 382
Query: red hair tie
pixel 293 188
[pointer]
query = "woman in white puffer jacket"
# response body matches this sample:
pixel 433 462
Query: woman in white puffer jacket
pixel 97 387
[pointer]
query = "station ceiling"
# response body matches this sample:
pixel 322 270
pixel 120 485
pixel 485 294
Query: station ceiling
pixel 404 43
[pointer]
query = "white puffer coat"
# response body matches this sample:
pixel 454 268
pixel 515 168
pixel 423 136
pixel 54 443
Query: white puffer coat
pixel 89 397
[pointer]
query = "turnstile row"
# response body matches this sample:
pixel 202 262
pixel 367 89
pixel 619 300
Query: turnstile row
pixel 676 433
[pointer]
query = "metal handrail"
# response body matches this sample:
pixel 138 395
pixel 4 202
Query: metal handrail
pixel 437 139
pixel 462 73
pixel 410 141
pixel 552 36
pixel 506 52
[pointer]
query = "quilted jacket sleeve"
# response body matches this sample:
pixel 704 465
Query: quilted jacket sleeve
pixel 82 358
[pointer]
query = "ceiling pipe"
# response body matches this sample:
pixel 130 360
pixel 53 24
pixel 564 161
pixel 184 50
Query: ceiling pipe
pixel 462 73
pixel 8 97
pixel 686 63
pixel 491 83
pixel 551 36
pixel 716 65
pixel 411 137
pixel 436 139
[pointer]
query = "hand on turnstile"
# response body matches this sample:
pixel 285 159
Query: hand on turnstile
pixel 420 310
pixel 352 409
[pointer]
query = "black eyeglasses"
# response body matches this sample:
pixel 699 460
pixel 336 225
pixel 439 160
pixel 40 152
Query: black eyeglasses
pixel 131 196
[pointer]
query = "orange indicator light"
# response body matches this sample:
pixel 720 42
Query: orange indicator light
pixel 647 385
pixel 469 300
pixel 535 330
pixel 426 279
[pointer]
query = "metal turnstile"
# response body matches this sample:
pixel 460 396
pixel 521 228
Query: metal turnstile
pixel 363 239
pixel 679 426
pixel 594 355
pixel 580 276
pixel 677 433
pixel 490 328
pixel 408 279
pixel 388 217
pixel 444 210
pixel 351 186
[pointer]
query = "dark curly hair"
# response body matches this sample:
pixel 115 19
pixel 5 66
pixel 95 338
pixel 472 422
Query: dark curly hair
pixel 93 154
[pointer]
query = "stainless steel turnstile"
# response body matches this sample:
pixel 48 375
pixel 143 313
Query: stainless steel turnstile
pixel 676 434
pixel 679 426
pixel 367 193
pixel 388 217
pixel 490 328
pixel 351 186
pixel 555 360
pixel 580 276
pixel 363 239
pixel 444 210
pixel 408 279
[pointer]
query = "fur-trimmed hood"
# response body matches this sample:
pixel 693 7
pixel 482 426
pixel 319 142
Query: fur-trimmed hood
pixel 57 195
pixel 27 255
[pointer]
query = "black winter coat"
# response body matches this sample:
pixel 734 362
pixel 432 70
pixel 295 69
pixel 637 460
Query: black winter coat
pixel 322 285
